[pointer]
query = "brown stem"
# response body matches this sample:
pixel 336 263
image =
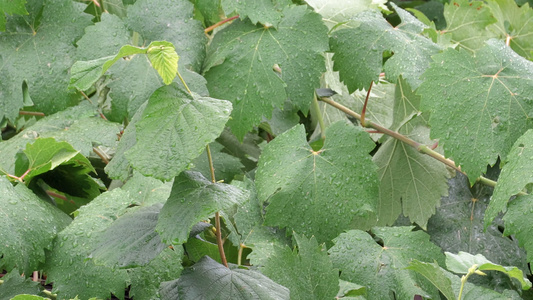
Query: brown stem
pixel 85 96
pixel 102 155
pixel 31 113
pixel 363 112
pixel 210 28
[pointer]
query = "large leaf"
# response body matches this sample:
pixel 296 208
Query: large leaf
pixel 339 11
pixel 67 265
pixel 211 280
pixel 267 12
pixel 131 240
pixel 481 101
pixel 381 267
pixel 241 58
pixel 320 280
pixel 193 199
pixel 514 177
pixel 29 224
pixel 179 124
pixel 359 50
pixel 38 49
pixel 326 188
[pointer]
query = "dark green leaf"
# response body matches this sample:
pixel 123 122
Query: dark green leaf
pixel 11 7
pixel 242 56
pixel 147 190
pixel 362 260
pixel 193 199
pixel 14 284
pixel 326 188
pixel 208 279
pixel 226 166
pixel 338 12
pixel 179 123
pixel 433 273
pixel 29 224
pixel 518 222
pixel 266 12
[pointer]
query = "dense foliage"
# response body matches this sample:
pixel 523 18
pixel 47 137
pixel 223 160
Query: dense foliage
pixel 266 149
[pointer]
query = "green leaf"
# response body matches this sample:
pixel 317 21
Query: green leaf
pixel 359 50
pixel 434 273
pixel 145 281
pixel 29 224
pixel 513 22
pixel 182 124
pixel 321 280
pixel 479 105
pixel 518 222
pixel 164 59
pixel 460 263
pixel 40 56
pixel 131 240
pixel 11 7
pixel 226 283
pixel 241 58
pixel 147 190
pixel 193 199
pixel 15 284
pixel 28 297
pixel 337 12
pixel 349 290
pixel 466 23
pixel 67 265
pixel 226 166
pixel 266 12
pixel 318 184
pixel 362 260
pixel 514 177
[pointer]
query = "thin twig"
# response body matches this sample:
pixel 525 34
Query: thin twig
pixel 85 96
pixel 210 28
pixel 363 112
pixel 31 113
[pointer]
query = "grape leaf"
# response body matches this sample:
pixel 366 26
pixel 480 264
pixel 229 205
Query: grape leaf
pixel 513 23
pixel 480 101
pixel 131 240
pixel 515 175
pixel 466 23
pixel 36 45
pixel 321 280
pixel 193 199
pixel 324 188
pixel 11 7
pixel 267 12
pixel 181 123
pixel 434 273
pixel 337 12
pixel 381 267
pixel 13 284
pixel 518 222
pixel 145 281
pixel 241 58
pixel 461 262
pixel 359 50
pixel 67 265
pixel 211 280
pixel 25 233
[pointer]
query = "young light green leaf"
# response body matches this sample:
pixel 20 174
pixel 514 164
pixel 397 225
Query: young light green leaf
pixel 361 259
pixel 241 59
pixel 513 23
pixel 193 199
pixel 318 185
pixel 40 56
pixel 321 280
pixel 164 59
pixel 208 279
pixel 434 273
pixel 367 42
pixel 23 245
pixel 180 123
pixel 131 240
pixel 514 177
pixel 481 101
pixel 461 263
pixel 467 23
pixel 518 222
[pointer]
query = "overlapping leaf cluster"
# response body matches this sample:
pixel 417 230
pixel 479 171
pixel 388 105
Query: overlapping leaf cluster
pixel 114 189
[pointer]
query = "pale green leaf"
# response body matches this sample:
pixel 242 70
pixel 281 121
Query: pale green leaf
pixel 381 267
pixel 241 59
pixel 481 101
pixel 226 283
pixel 460 263
pixel 131 240
pixel 359 50
pixel 164 59
pixel 434 273
pixel 40 56
pixel 22 244
pixel 193 199
pixel 321 280
pixel 180 123
pixel 327 188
